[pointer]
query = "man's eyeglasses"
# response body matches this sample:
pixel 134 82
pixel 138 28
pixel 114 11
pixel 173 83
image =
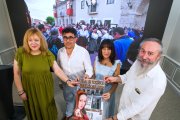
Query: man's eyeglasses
pixel 71 38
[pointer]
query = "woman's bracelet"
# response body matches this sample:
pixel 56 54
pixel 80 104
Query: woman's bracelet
pixel 117 79
pixel 67 80
pixel 21 93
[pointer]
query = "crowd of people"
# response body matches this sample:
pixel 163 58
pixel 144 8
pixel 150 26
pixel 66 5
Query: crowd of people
pixel 90 36
pixel 122 58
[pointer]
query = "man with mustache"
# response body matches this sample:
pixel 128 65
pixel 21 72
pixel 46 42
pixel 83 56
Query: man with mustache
pixel 145 83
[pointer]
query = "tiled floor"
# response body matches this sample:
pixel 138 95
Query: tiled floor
pixel 168 107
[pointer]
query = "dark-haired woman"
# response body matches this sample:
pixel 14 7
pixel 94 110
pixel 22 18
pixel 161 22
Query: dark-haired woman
pixel 106 65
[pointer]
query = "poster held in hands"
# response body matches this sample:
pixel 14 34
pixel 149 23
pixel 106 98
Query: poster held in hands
pixel 94 102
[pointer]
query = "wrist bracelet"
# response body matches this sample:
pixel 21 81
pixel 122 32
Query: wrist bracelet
pixel 21 93
pixel 68 80
pixel 117 79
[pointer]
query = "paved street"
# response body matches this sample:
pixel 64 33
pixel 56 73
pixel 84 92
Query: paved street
pixel 168 107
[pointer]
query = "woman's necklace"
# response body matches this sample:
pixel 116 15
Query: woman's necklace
pixel 105 62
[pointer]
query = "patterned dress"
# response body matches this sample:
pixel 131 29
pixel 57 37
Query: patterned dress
pixel 37 82
pixel 101 71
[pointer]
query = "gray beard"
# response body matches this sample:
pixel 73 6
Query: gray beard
pixel 141 70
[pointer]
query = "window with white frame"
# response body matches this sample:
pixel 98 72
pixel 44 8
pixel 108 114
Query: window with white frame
pixel 92 22
pixel 82 4
pixel 110 1
pixel 67 22
pixel 71 21
pixel 92 8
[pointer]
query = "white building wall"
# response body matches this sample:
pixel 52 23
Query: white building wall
pixel 171 61
pixel 119 12
pixel 81 14
pixel 134 17
pixel 169 33
pixel 104 12
pixel 62 17
pixel 61 14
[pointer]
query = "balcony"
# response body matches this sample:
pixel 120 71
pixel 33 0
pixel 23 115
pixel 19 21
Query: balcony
pixel 69 11
pixel 92 9
pixel 55 14
pixel 62 14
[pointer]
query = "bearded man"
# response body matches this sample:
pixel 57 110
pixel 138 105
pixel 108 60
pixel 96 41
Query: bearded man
pixel 145 83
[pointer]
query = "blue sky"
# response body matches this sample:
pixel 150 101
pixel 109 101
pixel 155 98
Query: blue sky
pixel 40 9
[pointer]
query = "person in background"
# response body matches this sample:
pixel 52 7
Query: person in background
pixel 54 42
pixel 79 112
pixel 106 65
pixel 43 30
pixel 75 62
pixel 132 52
pixel 99 37
pixel 131 55
pixel 92 46
pixel 60 32
pixel 33 78
pixel 83 36
pixel 145 83
pixel 106 35
pixel 60 29
pixel 121 44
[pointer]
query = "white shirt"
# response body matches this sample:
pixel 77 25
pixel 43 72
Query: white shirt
pixel 106 36
pixel 99 33
pixel 94 36
pixel 141 93
pixel 84 33
pixel 77 64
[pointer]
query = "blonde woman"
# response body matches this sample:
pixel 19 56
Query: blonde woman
pixel 33 78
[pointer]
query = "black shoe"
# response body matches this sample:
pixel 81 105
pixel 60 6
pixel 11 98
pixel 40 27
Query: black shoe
pixel 66 118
